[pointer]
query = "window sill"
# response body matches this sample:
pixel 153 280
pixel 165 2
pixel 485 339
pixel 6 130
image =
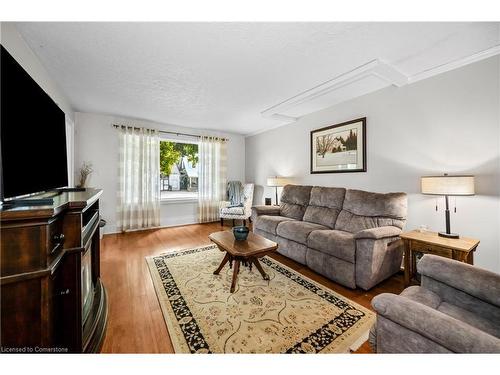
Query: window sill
pixel 178 200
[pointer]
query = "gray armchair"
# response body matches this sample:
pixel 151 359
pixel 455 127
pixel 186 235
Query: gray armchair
pixel 455 310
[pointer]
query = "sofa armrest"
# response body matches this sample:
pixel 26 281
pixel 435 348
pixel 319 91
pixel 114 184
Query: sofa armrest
pixel 265 210
pixel 378 233
pixel 477 282
pixel 449 332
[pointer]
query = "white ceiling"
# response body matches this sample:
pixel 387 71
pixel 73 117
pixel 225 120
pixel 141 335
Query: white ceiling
pixel 221 76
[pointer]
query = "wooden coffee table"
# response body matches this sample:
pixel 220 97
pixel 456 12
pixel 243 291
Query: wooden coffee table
pixel 247 252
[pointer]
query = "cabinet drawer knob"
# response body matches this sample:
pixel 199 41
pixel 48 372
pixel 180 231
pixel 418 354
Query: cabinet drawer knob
pixel 64 292
pixel 58 238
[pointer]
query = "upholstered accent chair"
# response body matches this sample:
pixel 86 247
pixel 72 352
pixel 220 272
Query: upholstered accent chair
pixel 349 236
pixel 456 309
pixel 238 213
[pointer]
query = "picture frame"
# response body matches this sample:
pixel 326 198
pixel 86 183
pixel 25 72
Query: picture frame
pixel 339 148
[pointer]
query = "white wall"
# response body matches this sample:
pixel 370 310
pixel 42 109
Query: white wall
pixel 448 123
pixel 24 55
pixel 96 141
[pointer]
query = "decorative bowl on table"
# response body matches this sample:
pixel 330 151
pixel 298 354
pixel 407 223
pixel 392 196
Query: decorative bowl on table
pixel 240 233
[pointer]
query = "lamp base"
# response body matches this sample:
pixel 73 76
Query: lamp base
pixel 448 235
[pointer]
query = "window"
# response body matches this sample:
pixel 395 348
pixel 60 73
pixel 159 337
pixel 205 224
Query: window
pixel 178 170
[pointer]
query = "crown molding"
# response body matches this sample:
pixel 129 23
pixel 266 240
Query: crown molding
pixel 375 68
pixel 490 52
pixel 269 128
pixel 277 116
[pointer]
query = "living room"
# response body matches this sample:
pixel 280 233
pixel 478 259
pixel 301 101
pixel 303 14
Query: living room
pixel 252 187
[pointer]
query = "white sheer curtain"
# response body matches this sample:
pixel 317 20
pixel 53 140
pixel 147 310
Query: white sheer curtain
pixel 211 177
pixel 139 176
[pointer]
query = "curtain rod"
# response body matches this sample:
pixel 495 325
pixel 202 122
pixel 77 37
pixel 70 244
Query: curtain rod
pixel 168 132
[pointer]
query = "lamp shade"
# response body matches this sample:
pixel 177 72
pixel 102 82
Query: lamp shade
pixel 277 181
pixel 447 185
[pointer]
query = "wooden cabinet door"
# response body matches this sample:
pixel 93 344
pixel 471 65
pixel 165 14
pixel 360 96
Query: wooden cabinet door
pixel 67 310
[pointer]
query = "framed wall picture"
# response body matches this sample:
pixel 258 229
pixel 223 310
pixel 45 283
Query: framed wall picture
pixel 339 148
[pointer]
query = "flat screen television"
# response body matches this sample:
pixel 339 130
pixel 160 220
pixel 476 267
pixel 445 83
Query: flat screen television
pixel 32 132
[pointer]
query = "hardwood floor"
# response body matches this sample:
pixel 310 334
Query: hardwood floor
pixel 135 322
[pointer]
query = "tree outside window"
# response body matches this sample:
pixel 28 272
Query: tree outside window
pixel 178 170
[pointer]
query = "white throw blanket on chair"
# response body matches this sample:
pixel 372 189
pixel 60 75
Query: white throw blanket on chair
pixel 235 193
pixel 139 176
pixel 211 177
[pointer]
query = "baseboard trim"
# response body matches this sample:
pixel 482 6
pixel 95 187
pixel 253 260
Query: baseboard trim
pixel 159 227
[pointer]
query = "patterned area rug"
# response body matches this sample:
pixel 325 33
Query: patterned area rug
pixel 288 314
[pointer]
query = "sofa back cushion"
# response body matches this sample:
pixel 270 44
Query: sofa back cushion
pixel 294 200
pixel 365 210
pixel 325 205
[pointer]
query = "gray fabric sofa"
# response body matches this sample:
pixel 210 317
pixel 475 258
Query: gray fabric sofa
pixel 349 236
pixel 455 310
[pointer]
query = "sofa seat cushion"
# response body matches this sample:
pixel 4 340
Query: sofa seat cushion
pixel 297 231
pixel 350 222
pixel 336 243
pixel 268 223
pixel 472 319
pixel 422 295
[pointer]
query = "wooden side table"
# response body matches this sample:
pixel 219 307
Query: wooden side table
pixel 461 249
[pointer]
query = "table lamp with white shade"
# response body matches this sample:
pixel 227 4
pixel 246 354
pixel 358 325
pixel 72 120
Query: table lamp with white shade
pixel 277 182
pixel 447 185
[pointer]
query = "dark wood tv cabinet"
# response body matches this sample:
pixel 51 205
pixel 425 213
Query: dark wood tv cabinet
pixel 51 295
